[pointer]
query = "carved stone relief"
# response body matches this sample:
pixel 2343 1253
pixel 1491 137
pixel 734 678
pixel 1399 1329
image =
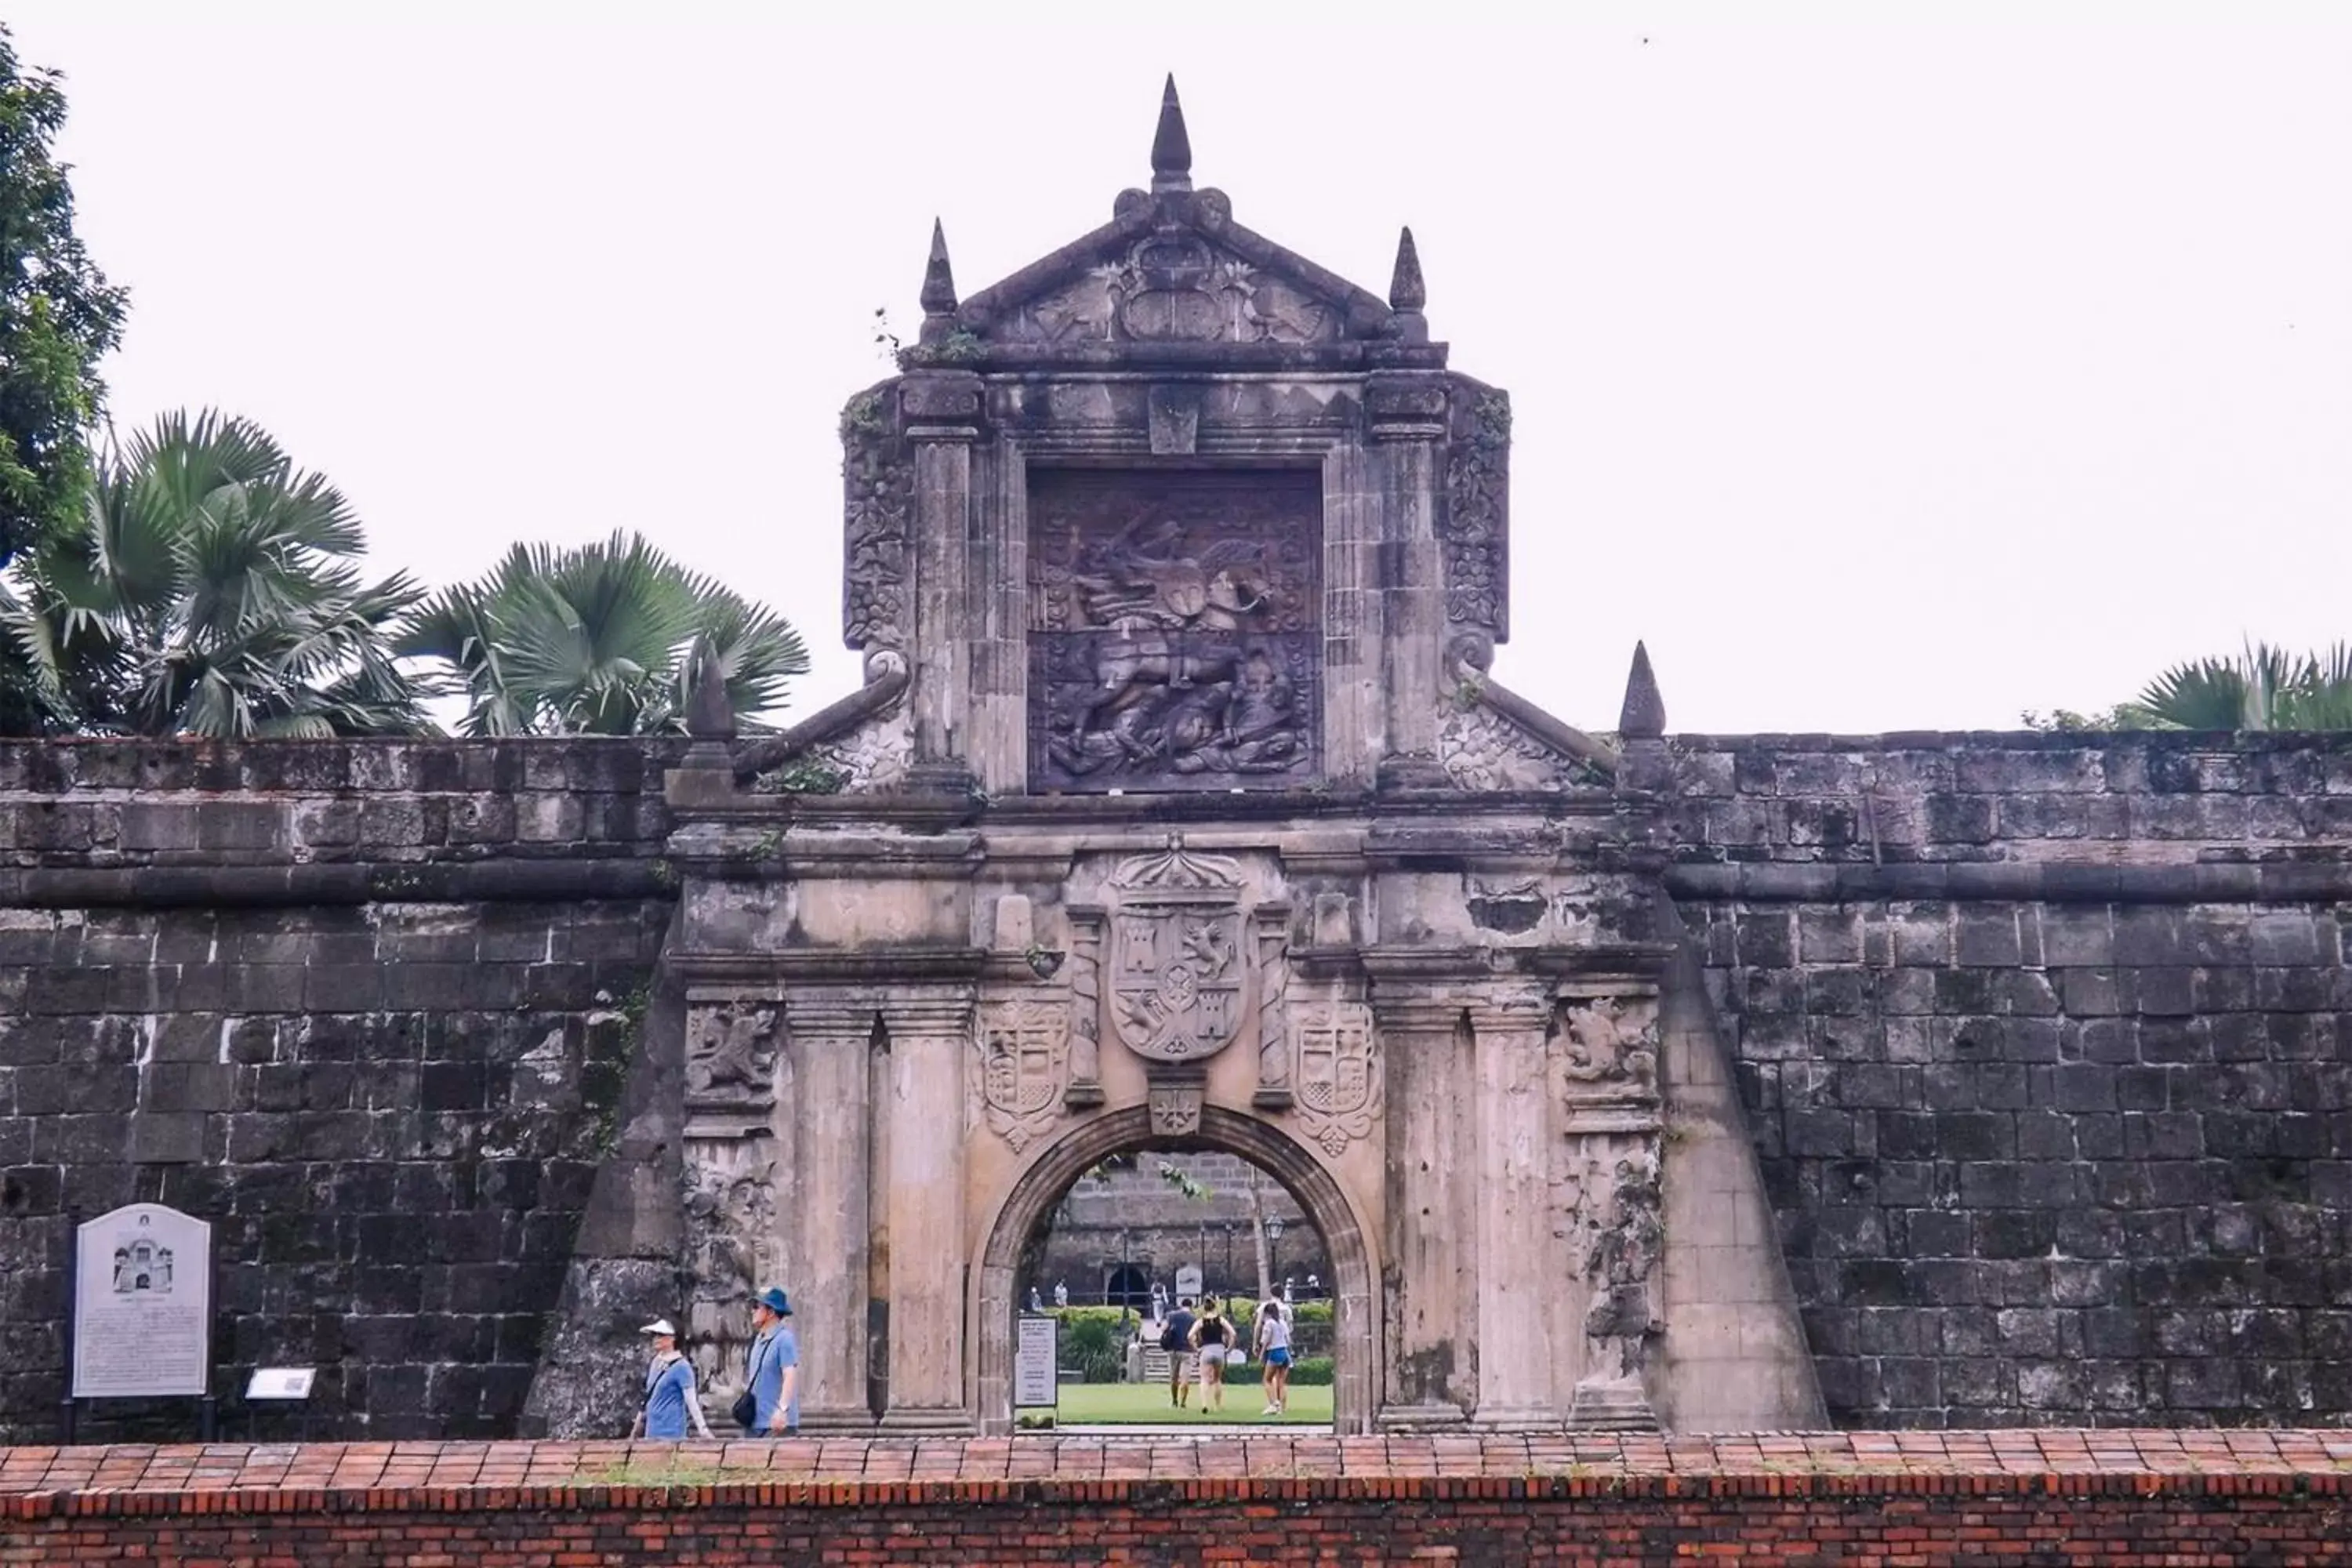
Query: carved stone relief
pixel 1475 542
pixel 730 1213
pixel 1173 639
pixel 1338 1071
pixel 1613 1049
pixel 874 757
pixel 1480 749
pixel 1174 286
pixel 1175 1109
pixel 1085 1008
pixel 1626 1238
pixel 730 1056
pixel 878 485
pixel 1273 1092
pixel 1023 1057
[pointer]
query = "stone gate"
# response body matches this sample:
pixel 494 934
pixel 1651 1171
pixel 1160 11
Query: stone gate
pixel 1179 810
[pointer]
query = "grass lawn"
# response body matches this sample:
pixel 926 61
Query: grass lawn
pixel 1104 1404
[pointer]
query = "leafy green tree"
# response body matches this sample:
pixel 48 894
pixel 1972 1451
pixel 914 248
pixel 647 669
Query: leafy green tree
pixel 208 588
pixel 58 316
pixel 599 640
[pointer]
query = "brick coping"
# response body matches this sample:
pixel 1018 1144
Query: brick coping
pixel 133 1478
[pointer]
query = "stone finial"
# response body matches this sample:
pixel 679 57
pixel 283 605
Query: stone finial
pixel 1406 290
pixel 939 296
pixel 1171 149
pixel 1643 717
pixel 709 713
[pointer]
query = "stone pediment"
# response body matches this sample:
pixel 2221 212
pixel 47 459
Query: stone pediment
pixel 1172 278
pixel 1174 270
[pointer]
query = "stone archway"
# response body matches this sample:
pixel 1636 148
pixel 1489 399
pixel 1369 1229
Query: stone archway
pixel 1354 1329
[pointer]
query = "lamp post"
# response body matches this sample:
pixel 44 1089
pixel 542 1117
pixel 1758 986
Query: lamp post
pixel 1125 1279
pixel 1274 1252
pixel 1227 1282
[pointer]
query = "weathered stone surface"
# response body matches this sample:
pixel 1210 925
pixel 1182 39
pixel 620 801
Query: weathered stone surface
pixel 388 1080
pixel 2037 1101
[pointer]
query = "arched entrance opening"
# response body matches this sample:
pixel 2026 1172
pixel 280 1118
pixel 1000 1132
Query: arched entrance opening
pixel 1028 1208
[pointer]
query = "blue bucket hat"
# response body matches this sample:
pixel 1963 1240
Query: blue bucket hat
pixel 773 1299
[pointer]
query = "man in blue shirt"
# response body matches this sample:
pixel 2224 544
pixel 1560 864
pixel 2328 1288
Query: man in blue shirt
pixel 772 1369
pixel 670 1398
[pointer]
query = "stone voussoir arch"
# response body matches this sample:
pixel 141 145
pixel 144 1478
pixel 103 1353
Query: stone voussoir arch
pixel 1041 1184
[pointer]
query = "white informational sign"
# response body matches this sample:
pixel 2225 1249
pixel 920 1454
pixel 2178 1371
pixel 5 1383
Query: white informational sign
pixel 1188 1281
pixel 1033 1380
pixel 280 1383
pixel 142 1304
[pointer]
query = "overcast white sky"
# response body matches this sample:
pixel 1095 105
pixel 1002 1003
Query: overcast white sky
pixel 1884 369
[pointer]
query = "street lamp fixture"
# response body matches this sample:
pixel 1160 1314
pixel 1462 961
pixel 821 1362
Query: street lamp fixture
pixel 1274 1252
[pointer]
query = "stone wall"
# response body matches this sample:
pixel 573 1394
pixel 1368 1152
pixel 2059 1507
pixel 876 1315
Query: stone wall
pixel 2046 1045
pixel 1164 1230
pixel 366 1007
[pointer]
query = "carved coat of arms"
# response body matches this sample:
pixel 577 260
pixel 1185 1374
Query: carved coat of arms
pixel 1338 1075
pixel 1176 967
pixel 1023 1052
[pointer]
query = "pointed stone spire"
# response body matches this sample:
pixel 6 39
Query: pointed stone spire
pixel 1643 717
pixel 939 296
pixel 709 713
pixel 1171 149
pixel 1406 290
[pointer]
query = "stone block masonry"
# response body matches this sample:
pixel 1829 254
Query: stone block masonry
pixel 2046 1045
pixel 1928 1501
pixel 2045 1042
pixel 366 1007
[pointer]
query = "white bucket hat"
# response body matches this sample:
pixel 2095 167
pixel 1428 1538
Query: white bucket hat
pixel 660 1326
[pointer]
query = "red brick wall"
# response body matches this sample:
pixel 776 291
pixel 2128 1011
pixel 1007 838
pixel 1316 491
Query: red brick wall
pixel 1954 1499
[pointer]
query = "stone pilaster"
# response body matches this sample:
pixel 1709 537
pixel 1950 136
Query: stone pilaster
pixel 1407 415
pixel 1354 713
pixel 830 1232
pixel 1431 1247
pixel 1518 1261
pixel 942 422
pixel 929 1034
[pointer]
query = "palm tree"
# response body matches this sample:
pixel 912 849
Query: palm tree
pixel 598 640
pixel 211 589
pixel 2267 689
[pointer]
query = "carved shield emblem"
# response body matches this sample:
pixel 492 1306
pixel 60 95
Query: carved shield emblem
pixel 1339 1075
pixel 1023 1046
pixel 1176 984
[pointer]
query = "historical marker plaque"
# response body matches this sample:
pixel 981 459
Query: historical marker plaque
pixel 1033 1380
pixel 142 1304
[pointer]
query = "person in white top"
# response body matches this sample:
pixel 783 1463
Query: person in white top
pixel 1273 1350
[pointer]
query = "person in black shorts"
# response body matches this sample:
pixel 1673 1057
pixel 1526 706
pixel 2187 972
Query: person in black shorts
pixel 1208 1338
